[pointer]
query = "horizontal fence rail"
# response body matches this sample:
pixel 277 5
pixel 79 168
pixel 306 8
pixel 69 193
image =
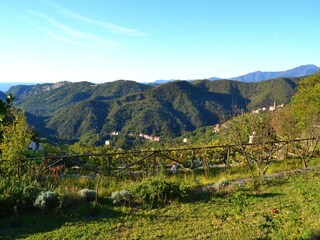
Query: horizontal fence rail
pixel 148 161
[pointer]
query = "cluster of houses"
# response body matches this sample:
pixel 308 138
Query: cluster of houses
pixel 216 128
pixel 148 137
pixel 141 135
pixel 145 136
pixel 270 108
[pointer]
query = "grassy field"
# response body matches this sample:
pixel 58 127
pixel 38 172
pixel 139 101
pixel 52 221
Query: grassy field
pixel 286 208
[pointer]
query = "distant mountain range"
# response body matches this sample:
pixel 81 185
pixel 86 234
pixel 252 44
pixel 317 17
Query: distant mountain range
pixel 294 72
pixel 257 76
pixel 70 112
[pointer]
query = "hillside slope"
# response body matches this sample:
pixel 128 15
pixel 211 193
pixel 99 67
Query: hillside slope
pixel 260 94
pixel 43 99
pixel 70 111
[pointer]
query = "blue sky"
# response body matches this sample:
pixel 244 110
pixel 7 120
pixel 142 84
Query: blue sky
pixel 146 40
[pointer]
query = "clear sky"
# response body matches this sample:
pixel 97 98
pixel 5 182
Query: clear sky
pixel 147 40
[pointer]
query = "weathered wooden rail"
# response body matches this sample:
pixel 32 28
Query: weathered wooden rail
pixel 115 163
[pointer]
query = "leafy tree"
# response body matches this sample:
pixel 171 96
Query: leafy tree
pixel 254 137
pixel 15 138
pixel 301 119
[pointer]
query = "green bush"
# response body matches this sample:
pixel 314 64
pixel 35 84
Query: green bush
pixel 21 195
pixel 158 190
pixel 122 196
pixel 88 195
pixel 46 201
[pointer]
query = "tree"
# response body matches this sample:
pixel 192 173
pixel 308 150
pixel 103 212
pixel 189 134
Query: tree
pixel 299 123
pixel 253 136
pixel 15 138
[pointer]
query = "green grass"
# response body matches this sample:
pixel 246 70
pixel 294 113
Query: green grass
pixel 286 208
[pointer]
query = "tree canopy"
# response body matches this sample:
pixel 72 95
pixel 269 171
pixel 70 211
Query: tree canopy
pixel 15 136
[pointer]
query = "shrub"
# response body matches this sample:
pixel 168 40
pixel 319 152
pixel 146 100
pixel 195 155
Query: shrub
pixel 46 201
pixel 88 195
pixel 158 190
pixel 21 195
pixel 122 196
pixel 29 194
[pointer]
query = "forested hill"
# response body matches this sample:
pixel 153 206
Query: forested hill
pixel 47 98
pixel 260 94
pixel 72 111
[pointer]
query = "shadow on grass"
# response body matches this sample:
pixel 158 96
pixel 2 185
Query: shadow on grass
pixel 194 196
pixel 33 222
pixel 264 195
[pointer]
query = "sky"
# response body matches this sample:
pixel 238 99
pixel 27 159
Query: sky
pixel 147 40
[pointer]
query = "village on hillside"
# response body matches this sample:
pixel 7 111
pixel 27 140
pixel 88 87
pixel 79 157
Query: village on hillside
pixel 217 127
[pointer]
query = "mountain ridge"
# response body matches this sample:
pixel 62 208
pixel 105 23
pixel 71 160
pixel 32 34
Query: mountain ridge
pixel 257 76
pixel 300 71
pixel 76 111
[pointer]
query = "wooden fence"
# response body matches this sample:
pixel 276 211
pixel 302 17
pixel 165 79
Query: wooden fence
pixel 131 163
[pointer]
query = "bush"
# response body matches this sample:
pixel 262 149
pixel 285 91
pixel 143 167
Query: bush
pixel 123 196
pixel 46 201
pixel 158 190
pixel 21 195
pixel 88 195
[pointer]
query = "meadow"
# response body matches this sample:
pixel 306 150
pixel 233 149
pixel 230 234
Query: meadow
pixel 258 177
pixel 285 206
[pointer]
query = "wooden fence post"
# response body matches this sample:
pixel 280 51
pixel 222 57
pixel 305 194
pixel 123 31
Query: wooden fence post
pixel 154 162
pixel 109 164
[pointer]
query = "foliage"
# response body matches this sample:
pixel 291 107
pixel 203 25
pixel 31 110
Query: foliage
pixel 46 201
pixel 5 107
pixel 254 94
pixel 122 196
pixel 254 135
pixel 157 190
pixel 240 201
pixel 85 112
pixel 200 136
pixel 88 195
pixel 286 209
pixel 21 195
pixel 14 140
pixel 300 120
